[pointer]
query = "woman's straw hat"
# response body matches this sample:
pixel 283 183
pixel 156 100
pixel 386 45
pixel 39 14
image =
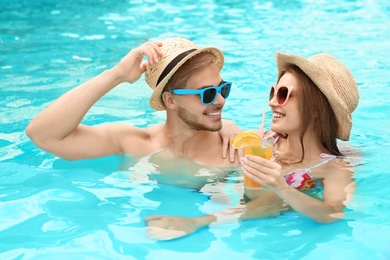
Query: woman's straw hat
pixel 333 79
pixel 176 51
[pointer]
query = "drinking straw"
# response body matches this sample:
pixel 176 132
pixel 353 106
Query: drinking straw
pixel 261 127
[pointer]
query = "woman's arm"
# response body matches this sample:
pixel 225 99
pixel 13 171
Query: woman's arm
pixel 337 191
pixel 227 132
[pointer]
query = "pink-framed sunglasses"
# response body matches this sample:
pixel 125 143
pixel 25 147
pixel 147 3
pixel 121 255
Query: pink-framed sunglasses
pixel 282 94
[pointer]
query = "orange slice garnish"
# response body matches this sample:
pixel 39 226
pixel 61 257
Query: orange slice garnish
pixel 245 139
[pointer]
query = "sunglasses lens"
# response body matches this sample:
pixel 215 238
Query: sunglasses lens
pixel 271 93
pixel 226 90
pixel 209 95
pixel 282 95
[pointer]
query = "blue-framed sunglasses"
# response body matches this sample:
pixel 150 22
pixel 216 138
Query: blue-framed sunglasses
pixel 207 95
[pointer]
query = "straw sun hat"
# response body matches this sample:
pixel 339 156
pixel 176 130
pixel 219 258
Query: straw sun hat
pixel 333 79
pixel 176 51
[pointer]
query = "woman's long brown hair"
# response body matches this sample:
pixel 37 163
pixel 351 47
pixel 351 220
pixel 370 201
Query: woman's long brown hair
pixel 316 112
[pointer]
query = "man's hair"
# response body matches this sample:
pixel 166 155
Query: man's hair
pixel 317 113
pixel 180 78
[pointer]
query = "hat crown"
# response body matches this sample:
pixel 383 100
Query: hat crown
pixel 175 52
pixel 171 48
pixel 342 80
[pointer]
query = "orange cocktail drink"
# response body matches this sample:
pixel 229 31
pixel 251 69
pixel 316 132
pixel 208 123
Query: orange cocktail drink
pixel 254 145
pixel 263 149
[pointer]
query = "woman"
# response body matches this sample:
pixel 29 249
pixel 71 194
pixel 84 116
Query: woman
pixel 311 105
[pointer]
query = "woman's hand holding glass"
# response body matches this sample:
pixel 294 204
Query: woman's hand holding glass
pixel 265 172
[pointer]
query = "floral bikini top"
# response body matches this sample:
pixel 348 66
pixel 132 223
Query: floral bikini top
pixel 301 179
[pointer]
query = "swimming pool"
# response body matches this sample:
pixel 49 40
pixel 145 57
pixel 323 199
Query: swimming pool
pixel 52 208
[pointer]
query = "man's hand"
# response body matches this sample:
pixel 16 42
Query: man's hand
pixel 168 228
pixel 130 69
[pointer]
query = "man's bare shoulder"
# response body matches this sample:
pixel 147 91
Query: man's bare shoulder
pixel 135 140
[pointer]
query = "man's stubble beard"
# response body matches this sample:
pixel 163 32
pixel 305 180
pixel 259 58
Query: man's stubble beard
pixel 192 121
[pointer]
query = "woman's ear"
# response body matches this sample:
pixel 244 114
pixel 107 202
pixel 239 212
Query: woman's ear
pixel 168 100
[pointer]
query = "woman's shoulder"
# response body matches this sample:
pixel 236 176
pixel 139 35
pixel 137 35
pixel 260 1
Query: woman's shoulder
pixel 351 158
pixel 335 167
pixel 349 150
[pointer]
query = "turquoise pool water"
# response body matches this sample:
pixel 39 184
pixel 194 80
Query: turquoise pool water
pixel 55 209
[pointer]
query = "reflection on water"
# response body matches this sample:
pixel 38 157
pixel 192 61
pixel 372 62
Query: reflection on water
pixel 162 167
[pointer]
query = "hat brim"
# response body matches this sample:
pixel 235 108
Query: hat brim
pixel 321 77
pixel 155 99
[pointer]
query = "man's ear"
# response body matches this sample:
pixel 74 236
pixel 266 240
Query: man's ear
pixel 168 100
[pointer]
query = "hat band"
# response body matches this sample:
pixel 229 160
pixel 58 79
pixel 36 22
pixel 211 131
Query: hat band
pixel 172 64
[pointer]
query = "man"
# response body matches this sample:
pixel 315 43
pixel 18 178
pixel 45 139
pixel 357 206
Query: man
pixel 186 83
